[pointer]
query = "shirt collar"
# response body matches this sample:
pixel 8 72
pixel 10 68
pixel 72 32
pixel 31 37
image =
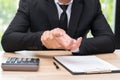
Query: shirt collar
pixel 57 2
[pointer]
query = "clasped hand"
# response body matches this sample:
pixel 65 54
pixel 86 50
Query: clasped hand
pixel 58 39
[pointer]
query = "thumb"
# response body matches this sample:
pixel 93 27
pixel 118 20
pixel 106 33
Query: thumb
pixel 76 44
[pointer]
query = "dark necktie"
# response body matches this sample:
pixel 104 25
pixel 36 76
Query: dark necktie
pixel 63 17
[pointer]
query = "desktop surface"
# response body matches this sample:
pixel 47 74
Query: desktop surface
pixel 48 71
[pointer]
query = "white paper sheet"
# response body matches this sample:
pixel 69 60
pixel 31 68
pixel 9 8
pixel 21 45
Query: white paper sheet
pixel 85 64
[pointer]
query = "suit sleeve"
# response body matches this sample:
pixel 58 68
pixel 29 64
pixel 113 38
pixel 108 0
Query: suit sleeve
pixel 16 36
pixel 103 37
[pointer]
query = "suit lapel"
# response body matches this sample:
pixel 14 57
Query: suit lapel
pixel 75 17
pixel 53 14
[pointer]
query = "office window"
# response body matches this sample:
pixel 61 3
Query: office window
pixel 8 9
pixel 108 8
pixel 7 12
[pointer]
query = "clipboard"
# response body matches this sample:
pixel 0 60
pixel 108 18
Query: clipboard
pixel 86 65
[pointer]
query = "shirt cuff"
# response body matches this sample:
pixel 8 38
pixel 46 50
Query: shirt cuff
pixel 75 51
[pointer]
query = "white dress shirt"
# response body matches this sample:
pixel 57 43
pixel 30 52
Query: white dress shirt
pixel 68 11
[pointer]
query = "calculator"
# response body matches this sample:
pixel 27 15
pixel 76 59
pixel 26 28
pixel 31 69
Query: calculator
pixel 20 64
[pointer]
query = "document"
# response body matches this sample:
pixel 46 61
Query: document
pixel 86 64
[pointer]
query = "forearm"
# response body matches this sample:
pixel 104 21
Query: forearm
pixel 16 41
pixel 98 45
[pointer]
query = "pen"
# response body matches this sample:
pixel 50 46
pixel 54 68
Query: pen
pixel 57 67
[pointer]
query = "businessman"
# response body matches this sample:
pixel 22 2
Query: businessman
pixel 59 24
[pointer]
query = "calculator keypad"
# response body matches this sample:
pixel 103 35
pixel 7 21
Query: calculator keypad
pixel 25 64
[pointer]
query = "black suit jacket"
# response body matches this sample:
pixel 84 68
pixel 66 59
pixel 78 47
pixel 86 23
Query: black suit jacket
pixel 41 15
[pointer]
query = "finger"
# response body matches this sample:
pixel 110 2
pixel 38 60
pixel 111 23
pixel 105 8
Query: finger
pixel 57 32
pixel 45 35
pixel 48 41
pixel 51 35
pixel 53 45
pixel 57 46
pixel 76 44
pixel 42 40
pixel 45 38
pixel 65 42
pixel 61 30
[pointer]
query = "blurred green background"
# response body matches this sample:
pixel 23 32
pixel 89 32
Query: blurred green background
pixel 8 9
